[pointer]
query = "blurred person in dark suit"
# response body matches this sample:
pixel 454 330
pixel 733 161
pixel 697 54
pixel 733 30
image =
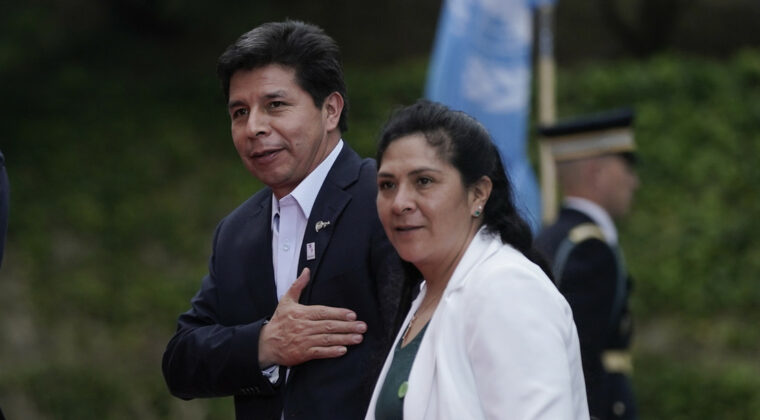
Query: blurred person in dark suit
pixel 304 292
pixel 4 204
pixel 595 166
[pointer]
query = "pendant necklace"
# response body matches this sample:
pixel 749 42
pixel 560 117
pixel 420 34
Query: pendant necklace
pixel 420 311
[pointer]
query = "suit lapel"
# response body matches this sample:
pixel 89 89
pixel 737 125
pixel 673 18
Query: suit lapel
pixel 325 214
pixel 261 284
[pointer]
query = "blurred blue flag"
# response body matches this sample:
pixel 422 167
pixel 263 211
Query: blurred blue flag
pixel 481 64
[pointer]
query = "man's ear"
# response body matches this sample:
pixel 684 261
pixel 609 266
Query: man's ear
pixel 332 108
pixel 479 193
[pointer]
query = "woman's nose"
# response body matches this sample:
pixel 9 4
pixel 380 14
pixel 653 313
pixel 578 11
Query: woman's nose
pixel 257 124
pixel 403 201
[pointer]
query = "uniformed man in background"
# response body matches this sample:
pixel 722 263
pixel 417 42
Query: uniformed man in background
pixel 595 159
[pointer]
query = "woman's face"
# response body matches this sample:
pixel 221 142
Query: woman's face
pixel 425 209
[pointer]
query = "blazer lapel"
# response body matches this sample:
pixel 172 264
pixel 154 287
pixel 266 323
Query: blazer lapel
pixel 261 284
pixel 325 214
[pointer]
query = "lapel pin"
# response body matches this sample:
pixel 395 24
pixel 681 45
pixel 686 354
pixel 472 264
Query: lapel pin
pixel 310 251
pixel 321 225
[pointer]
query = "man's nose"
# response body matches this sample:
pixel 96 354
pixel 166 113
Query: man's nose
pixel 257 124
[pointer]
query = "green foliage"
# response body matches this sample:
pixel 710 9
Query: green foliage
pixel 684 388
pixel 375 93
pixel 87 394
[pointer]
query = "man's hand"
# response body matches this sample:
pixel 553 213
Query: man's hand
pixel 299 333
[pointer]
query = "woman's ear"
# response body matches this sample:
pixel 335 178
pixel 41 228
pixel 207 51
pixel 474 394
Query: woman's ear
pixel 479 193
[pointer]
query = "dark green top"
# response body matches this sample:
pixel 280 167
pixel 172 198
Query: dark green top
pixel 390 401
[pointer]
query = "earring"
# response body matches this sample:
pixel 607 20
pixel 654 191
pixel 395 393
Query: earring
pixel 478 211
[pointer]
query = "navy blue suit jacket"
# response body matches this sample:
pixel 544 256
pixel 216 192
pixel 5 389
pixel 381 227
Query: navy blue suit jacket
pixel 215 349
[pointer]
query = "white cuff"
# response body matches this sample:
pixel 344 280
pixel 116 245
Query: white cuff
pixel 272 373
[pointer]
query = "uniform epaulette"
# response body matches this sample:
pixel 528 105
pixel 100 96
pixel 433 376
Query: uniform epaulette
pixel 585 231
pixel 578 234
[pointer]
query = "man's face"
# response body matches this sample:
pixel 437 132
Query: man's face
pixel 278 131
pixel 618 181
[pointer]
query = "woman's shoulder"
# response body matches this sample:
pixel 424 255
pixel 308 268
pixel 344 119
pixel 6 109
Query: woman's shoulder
pixel 508 274
pixel 508 262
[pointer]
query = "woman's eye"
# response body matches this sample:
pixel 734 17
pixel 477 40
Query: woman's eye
pixel 385 185
pixel 239 112
pixel 276 104
pixel 424 180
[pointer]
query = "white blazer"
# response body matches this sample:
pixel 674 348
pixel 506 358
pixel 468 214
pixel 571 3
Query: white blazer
pixel 502 344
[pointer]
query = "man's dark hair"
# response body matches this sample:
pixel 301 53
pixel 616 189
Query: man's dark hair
pixel 304 47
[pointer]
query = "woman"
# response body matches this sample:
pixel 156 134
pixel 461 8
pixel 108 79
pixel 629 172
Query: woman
pixel 488 336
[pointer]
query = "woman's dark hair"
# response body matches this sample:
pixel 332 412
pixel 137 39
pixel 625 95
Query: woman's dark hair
pixel 304 47
pixel 466 145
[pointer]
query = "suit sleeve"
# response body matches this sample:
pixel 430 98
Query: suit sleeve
pixel 205 358
pixel 588 284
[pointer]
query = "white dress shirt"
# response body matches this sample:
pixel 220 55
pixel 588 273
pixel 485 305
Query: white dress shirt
pixel 289 217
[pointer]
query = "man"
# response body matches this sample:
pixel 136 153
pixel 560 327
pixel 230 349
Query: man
pixel 303 290
pixel 595 158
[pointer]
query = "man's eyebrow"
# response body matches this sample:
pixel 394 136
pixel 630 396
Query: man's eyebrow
pixel 271 95
pixel 276 94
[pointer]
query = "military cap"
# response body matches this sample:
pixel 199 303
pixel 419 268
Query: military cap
pixel 608 132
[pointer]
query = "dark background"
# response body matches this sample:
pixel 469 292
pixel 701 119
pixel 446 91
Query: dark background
pixel 118 149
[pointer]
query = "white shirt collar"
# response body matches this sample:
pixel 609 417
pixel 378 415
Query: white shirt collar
pixel 597 214
pixel 306 192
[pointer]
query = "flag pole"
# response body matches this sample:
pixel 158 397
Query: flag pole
pixel 546 110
